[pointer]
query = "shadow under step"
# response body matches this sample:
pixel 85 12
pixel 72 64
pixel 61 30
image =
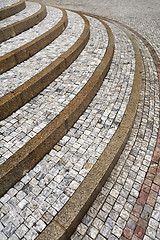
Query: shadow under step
pixel 11 10
pixel 23 25
pixel 32 152
pixel 22 53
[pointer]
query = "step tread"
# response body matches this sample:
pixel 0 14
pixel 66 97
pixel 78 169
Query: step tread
pixel 39 61
pixel 32 33
pixel 51 101
pixel 67 219
pixel 57 161
pixel 7 3
pixel 31 8
pixel 111 212
pixel 52 198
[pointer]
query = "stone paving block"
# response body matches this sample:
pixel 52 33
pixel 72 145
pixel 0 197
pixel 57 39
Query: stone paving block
pixel 128 206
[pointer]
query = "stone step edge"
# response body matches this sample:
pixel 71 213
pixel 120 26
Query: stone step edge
pixel 29 155
pixel 24 52
pixel 11 10
pixel 33 151
pixel 25 92
pixel 69 217
pixel 23 25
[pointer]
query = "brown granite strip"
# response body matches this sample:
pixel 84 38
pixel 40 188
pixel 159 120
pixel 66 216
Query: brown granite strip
pixel 22 53
pixel 66 221
pixel 11 10
pixel 21 26
pixel 24 93
pixel 146 200
pixel 34 150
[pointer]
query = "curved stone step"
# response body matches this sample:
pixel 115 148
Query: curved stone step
pixel 26 21
pixel 128 202
pixel 27 184
pixel 31 232
pixel 22 53
pixel 62 123
pixel 50 90
pixel 18 203
pixel 67 219
pixel 31 8
pixel 19 96
pixel 10 10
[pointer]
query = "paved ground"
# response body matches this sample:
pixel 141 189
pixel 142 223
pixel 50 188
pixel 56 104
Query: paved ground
pixel 128 206
pixel 143 15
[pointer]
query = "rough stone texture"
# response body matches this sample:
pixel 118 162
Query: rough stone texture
pixel 30 9
pixel 124 208
pixel 128 205
pixel 8 9
pixel 32 33
pixel 7 3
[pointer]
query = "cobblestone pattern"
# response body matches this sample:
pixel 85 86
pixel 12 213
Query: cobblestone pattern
pixel 145 216
pixel 35 115
pixel 32 33
pixel 149 191
pixel 7 3
pixel 142 16
pixel 110 214
pixel 33 202
pixel 30 9
pixel 152 34
pixel 153 198
pixel 18 75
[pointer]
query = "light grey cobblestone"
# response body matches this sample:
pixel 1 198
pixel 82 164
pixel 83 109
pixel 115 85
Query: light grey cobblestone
pixel 30 9
pixel 129 172
pixel 7 3
pixel 18 75
pixel 53 17
pixel 61 171
pixel 142 16
pixel 47 105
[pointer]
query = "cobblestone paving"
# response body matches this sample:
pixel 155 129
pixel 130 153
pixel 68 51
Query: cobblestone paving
pixel 153 201
pixel 128 206
pixel 110 212
pixel 30 9
pixel 143 16
pixel 7 3
pixel 154 39
pixel 18 75
pixel 47 105
pixel 46 24
pixel 37 198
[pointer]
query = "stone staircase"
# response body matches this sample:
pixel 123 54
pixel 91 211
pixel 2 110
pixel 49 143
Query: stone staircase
pixel 69 94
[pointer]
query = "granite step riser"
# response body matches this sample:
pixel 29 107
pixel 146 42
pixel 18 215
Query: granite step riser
pixel 21 26
pixel 11 10
pixel 17 98
pixel 21 54
pixel 66 221
pixel 54 131
pixel 33 88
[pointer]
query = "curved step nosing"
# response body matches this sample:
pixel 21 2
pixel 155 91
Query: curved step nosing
pixel 66 221
pixel 26 157
pixel 21 95
pixel 11 10
pixel 22 53
pixel 23 25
